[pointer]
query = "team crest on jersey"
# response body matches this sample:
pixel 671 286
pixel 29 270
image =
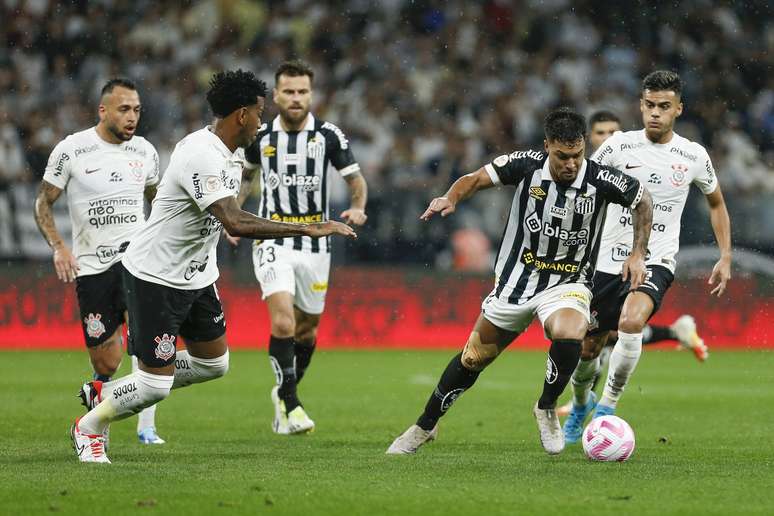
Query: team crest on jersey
pixel 537 192
pixel 95 328
pixel 315 148
pixel 212 184
pixel 269 151
pixel 272 180
pixel 135 167
pixel 165 347
pixel 584 205
pixel 679 173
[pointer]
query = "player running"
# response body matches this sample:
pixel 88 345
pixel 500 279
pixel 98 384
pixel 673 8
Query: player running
pixel 544 265
pixel 105 169
pixel 171 266
pixel 668 164
pixel 294 154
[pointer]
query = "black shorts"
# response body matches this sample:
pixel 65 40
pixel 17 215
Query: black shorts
pixel 102 302
pixel 158 314
pixel 609 292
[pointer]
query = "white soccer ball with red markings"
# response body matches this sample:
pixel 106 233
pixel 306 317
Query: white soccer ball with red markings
pixel 609 439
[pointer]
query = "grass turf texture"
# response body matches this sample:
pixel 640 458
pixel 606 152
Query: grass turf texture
pixel 703 432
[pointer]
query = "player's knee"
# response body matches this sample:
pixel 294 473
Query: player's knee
pixel 105 365
pixel 283 325
pixel 477 355
pixel 630 324
pixel 211 368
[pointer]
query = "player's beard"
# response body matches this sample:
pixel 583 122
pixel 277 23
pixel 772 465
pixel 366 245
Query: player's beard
pixel 119 134
pixel 293 117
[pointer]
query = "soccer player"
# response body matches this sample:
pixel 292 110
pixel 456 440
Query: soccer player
pixel 295 153
pixel 544 265
pixel 668 164
pixel 171 269
pixel 105 169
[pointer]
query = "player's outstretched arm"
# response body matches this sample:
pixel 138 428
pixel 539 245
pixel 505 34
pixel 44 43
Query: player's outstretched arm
pixel 721 226
pixel 244 224
pixel 634 266
pixel 462 189
pixel 65 264
pixel 358 193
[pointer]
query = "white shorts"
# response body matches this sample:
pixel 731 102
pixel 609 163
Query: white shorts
pixel 516 318
pixel 304 275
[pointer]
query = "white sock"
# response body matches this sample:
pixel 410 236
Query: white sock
pixel 126 396
pixel 582 379
pixel 190 369
pixel 623 361
pixel 604 357
pixel 147 417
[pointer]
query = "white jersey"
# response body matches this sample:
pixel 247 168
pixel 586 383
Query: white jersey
pixel 105 183
pixel 177 246
pixel 667 170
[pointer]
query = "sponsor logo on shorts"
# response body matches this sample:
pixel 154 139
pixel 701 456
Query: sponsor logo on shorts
pixel 537 193
pixel 124 389
pixel 552 373
pixel 580 296
pixel 450 398
pixel 529 259
pixel 95 328
pixel 303 218
pixel 218 317
pixel 165 347
pixel 320 287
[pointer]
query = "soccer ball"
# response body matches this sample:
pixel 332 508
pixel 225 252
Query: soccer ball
pixel 608 438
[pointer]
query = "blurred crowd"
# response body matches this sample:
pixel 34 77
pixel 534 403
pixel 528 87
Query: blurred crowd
pixel 425 90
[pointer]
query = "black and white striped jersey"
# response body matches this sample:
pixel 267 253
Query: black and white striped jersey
pixel 553 231
pixel 294 174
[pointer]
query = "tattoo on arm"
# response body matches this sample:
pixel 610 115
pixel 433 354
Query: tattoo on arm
pixel 246 187
pixel 44 215
pixel 642 215
pixel 358 190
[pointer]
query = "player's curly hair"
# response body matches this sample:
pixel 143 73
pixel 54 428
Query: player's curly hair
pixel 663 80
pixel 232 90
pixel 564 125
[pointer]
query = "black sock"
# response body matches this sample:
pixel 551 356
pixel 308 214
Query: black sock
pixel 563 357
pixel 101 377
pixel 282 356
pixel 304 352
pixel 657 334
pixel 455 380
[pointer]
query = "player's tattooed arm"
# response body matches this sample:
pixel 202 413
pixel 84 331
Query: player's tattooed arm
pixel 244 224
pixel 463 188
pixel 246 187
pixel 358 194
pixel 634 266
pixel 65 264
pixel 721 226
pixel 150 192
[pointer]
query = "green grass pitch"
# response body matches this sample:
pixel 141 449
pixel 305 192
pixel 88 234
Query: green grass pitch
pixel 704 442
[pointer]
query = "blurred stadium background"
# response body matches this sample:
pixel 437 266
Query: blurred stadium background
pixel 426 91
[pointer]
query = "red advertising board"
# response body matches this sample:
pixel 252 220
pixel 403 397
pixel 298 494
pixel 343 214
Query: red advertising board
pixel 379 308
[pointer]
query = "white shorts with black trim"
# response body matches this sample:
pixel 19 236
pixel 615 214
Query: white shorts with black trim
pixel 516 318
pixel 303 274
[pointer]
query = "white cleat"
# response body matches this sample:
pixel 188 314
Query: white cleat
pixel 280 423
pixel 551 435
pixel 91 396
pixel 685 330
pixel 88 447
pixel 299 422
pixel 409 441
pixel 149 436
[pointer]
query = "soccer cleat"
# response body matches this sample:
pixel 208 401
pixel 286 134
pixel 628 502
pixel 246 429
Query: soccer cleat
pixel 299 422
pixel 91 396
pixel 551 436
pixel 685 330
pixel 280 423
pixel 88 447
pixel 149 436
pixel 573 426
pixel 603 410
pixel 409 441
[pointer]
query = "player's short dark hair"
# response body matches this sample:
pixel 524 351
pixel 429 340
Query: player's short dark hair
pixel 564 125
pixel 663 80
pixel 123 82
pixel 603 116
pixel 232 90
pixel 294 68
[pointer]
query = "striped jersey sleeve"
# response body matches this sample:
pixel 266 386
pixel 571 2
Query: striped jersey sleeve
pixel 511 169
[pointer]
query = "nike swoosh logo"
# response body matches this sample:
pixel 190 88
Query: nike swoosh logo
pixel 92 171
pixel 628 167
